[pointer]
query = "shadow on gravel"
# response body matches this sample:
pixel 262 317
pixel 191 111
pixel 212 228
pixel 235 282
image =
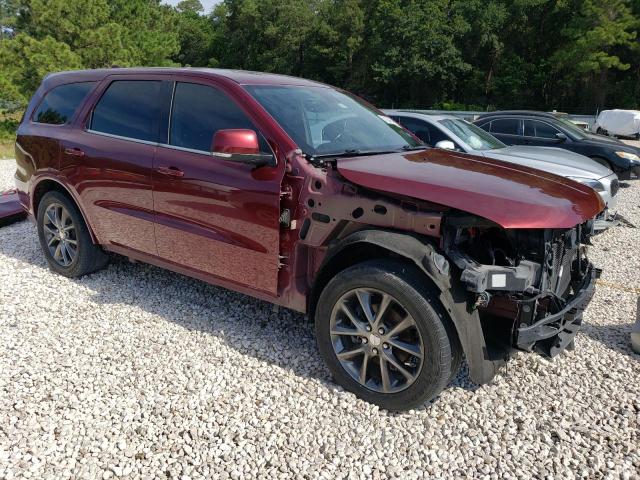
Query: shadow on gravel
pixel 616 337
pixel 253 327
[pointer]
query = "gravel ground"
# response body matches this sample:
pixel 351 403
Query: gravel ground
pixel 136 372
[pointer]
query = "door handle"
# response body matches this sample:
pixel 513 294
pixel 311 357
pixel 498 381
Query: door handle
pixel 171 171
pixel 76 152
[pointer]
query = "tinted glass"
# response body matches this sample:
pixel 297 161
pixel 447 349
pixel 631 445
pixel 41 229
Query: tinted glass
pixel 573 128
pixel 59 105
pixel 534 128
pixel 472 135
pixel 324 121
pixel 506 126
pixel 419 128
pixel 129 109
pixel 199 111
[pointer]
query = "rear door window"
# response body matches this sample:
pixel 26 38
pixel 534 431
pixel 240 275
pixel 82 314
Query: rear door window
pixel 129 108
pixel 506 126
pixel 199 111
pixel 61 102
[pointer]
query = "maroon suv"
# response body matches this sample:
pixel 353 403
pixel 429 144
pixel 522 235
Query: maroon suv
pixel 406 257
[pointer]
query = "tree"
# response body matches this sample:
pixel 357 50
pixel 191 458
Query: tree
pixel 593 36
pixel 190 6
pixel 24 62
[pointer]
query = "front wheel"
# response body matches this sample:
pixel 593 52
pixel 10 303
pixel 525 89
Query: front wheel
pixel 384 335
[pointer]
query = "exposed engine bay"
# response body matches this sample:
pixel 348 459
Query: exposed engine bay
pixel 539 281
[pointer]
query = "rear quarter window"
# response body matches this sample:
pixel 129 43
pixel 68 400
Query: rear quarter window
pixel 60 103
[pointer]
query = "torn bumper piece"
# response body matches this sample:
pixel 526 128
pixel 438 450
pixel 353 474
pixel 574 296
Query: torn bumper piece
pixel 554 333
pixel 11 209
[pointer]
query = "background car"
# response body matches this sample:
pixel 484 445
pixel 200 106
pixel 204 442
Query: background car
pixel 578 123
pixel 521 127
pixel 623 123
pixel 453 133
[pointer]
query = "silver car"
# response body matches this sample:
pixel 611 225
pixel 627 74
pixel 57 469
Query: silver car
pixel 453 133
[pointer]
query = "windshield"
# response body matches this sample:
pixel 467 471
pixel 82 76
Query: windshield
pixel 472 135
pixel 324 121
pixel 573 128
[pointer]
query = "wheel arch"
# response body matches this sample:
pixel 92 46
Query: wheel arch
pixel 45 185
pixel 421 252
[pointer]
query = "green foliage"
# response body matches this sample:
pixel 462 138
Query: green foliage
pixel 8 127
pixel 57 35
pixel 572 55
pixel 190 6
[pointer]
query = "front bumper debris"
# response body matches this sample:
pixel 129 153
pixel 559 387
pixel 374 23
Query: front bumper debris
pixel 554 333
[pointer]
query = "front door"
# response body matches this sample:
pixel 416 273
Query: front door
pixel 212 215
pixel 541 134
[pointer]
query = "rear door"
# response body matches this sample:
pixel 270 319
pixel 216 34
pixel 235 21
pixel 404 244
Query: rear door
pixel 508 130
pixel 214 216
pixel 108 160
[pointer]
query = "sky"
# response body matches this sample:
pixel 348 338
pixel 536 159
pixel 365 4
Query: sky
pixel 207 4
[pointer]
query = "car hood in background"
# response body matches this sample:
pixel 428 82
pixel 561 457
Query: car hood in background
pixel 601 140
pixel 509 195
pixel 554 160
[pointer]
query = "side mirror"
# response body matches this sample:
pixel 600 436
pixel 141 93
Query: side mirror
pixel 446 145
pixel 240 146
pixel 561 137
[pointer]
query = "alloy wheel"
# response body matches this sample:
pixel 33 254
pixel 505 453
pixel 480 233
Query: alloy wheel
pixel 376 340
pixel 60 234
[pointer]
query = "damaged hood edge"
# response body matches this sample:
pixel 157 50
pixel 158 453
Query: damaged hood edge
pixel 509 195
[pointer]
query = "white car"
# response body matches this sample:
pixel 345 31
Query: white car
pixel 623 123
pixel 453 133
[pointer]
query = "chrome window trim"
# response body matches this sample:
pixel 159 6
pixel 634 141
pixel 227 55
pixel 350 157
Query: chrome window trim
pixel 119 137
pixel 154 144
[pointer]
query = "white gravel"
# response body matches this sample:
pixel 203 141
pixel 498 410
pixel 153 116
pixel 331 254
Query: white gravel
pixel 136 372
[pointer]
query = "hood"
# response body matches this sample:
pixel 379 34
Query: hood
pixel 601 140
pixel 509 195
pixel 554 160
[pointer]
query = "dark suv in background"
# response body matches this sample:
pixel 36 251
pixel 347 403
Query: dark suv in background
pixel 519 127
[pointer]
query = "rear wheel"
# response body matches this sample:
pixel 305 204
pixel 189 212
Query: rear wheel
pixel 384 335
pixel 600 131
pixel 65 239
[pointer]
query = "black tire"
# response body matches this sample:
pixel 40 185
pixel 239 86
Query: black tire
pixel 88 257
pixel 600 131
pixel 441 350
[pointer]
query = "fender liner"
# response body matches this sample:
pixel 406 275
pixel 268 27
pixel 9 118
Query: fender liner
pixel 446 277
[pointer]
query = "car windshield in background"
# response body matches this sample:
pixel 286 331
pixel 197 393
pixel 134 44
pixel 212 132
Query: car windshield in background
pixel 572 127
pixel 324 121
pixel 472 135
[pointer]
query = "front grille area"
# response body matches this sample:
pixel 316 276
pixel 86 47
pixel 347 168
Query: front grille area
pixel 615 186
pixel 561 268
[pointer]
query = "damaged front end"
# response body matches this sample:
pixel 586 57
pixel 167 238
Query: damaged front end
pixel 531 285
